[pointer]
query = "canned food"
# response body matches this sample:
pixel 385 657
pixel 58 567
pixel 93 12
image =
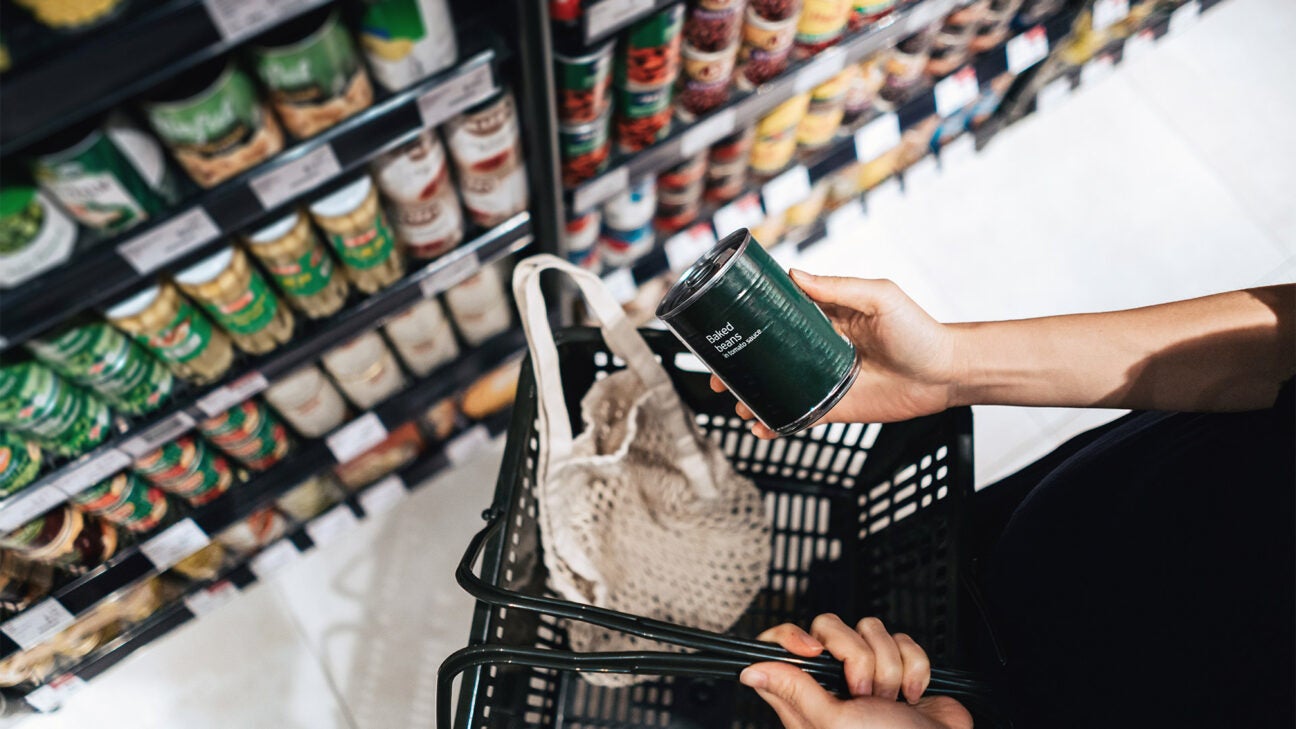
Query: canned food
pixel 64 537
pixel 480 306
pixel 623 246
pixel 407 40
pixel 20 462
pixel 684 174
pixel 627 230
pixel 867 12
pixel 73 14
pixel 422 337
pixel 365 370
pixel 35 235
pixel 308 401
pixel 205 564
pixel 309 498
pixel 250 434
pixel 96 356
pixel 643 117
pixel 239 298
pixel 300 264
pixel 741 314
pixel 126 501
pixel 313 72
pixel 678 208
pixel 186 467
pixel 585 149
pixel 824 115
pixel 775 9
pixel 705 82
pixel 60 416
pixel 775 142
pixel 214 123
pixel 865 82
pixel 651 50
pixel 259 529
pixel 708 30
pixel 421 197
pixel 766 46
pixel 176 332
pixel 584 84
pixel 904 67
pixel 358 231
pixel 487 151
pixel 822 24
pixel 726 181
pixel 22 582
pixel 580 239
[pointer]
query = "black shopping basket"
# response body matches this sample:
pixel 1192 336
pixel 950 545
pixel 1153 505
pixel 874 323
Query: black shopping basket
pixel 866 521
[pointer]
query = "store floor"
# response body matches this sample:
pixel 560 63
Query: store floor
pixel 1171 178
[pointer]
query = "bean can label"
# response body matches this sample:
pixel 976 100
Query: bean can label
pixel 368 248
pixel 424 205
pixel 186 468
pixel 20 462
pixel 124 500
pixel 250 433
pixel 651 51
pixel 488 153
pixel 316 82
pixel 584 83
pixel 65 418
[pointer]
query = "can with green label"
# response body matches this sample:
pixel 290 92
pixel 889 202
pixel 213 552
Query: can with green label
pixel 358 231
pixel 314 74
pixel 289 249
pixel 213 122
pixel 20 462
pixel 187 468
pixel 176 331
pixel 249 433
pixel 741 314
pixel 407 40
pixel 60 416
pixel 94 355
pixel 35 235
pixel 125 500
pixel 240 299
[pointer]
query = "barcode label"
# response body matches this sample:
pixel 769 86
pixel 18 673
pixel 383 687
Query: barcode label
pixel 1027 49
pixel 170 240
pixel 600 189
pixel 158 435
pixel 37 624
pixel 956 91
pixel 707 132
pixel 686 247
pixel 1107 13
pixel 55 694
pixel 226 397
pixel 786 190
pixel 236 19
pixel 745 212
pixel 877 137
pixel 604 17
pixel 293 178
pixel 356 437
pixel 27 505
pixel 79 478
pixel 455 95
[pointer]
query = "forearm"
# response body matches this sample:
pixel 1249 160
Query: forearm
pixel 1217 353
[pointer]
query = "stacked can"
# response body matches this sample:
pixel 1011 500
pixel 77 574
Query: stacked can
pixel 822 25
pixel 711 40
pixel 125 500
pixel 580 239
pixel 299 263
pixel 424 206
pixel 824 116
pixel 776 135
pixel 951 46
pixel 993 28
pixel 64 537
pixel 479 306
pixel 727 166
pixel 407 40
pixel 627 230
pixel 679 193
pixel 187 468
pixel 357 229
pixel 646 70
pixel 867 12
pixel 250 434
pixel 865 81
pixel 904 66
pixel 20 462
pixel 584 111
pixel 96 356
pixel 365 370
pixel 59 416
pixel 487 150
pixel 176 332
pixel 239 298
pixel 422 336
pixel 308 401
pixel 768 34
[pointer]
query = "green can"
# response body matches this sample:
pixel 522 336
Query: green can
pixel 187 468
pixel 20 462
pixel 62 417
pixel 124 500
pixel 249 433
pixel 650 50
pixel 96 356
pixel 584 84
pixel 741 314
pixel 35 235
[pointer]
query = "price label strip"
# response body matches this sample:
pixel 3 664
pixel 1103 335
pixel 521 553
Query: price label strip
pixel 463 447
pixel 181 234
pixel 38 623
pixel 956 91
pixel 236 19
pixel 469 88
pixel 707 132
pixel 745 212
pixel 786 190
pixel 202 602
pixel 383 496
pixel 827 64
pixel 158 435
pixel 79 478
pixel 603 17
pixel 56 693
pixel 330 525
pixel 446 274
pixel 356 437
pixel 600 189
pixel 683 248
pixel 877 137
pixel 1027 49
pixel 226 397
pixel 174 544
pixel 291 179
pixel 27 505
pixel 274 558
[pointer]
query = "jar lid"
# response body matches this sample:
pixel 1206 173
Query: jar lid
pixel 206 269
pixel 274 231
pixel 134 305
pixel 344 200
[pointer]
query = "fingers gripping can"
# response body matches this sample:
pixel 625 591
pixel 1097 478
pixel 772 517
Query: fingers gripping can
pixel 741 314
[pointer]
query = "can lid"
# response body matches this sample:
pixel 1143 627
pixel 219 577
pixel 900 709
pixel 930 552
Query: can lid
pixel 274 231
pixel 134 305
pixel 698 278
pixel 344 200
pixel 206 269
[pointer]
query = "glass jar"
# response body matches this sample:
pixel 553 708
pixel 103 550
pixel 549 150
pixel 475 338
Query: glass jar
pixel 308 401
pixel 175 331
pixel 239 298
pixel 359 233
pixel 301 265
pixel 365 369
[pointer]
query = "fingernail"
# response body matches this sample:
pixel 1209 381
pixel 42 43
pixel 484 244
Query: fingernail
pixel 809 641
pixel 913 692
pixel 798 273
pixel 753 678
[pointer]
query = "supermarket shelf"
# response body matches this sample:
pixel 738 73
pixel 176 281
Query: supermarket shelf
pixel 686 139
pixel 606 17
pixel 76 80
pixel 311 341
pixel 132 564
pixel 197 227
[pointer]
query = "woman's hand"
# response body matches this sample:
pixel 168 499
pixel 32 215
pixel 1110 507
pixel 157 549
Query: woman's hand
pixel 908 363
pixel 879 667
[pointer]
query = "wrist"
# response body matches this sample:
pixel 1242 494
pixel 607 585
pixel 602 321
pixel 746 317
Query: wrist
pixel 970 378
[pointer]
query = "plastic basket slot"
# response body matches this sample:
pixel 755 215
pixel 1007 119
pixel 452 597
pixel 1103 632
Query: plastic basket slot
pixel 822 524
pixel 942 492
pixel 600 359
pixel 906 511
pixel 796 509
pixel 818 432
pixel 871 433
pixel 777 562
pixel 839 462
pixel 835 432
pixel 826 454
pixel 942 452
pixel 731 444
pixel 905 493
pixel 856 463
pixel 701 418
pixel 746 444
pixel 926 480
pixel 808 455
pixel 879 507
pixel 734 422
pixel 793 453
pixel 925 463
pixel 942 472
pixel 905 473
pixel 852 434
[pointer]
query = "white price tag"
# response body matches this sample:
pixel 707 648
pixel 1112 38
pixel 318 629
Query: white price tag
pixel 78 478
pixel 464 446
pixel 293 178
pixel 609 15
pixel 1053 93
pixel 383 495
pixel 785 255
pixel 221 399
pixel 235 19
pixel 356 437
pixel 921 174
pixel 457 93
pixel 1138 45
pixel 273 558
pixel 958 152
pixel 331 524
pixel 1107 13
pixel 38 623
pixel 707 132
pixel 164 243
pixel 210 597
pixel 158 435
pixel 745 212
pixel 786 190
pixel 1097 69
pixel 877 137
pixel 56 693
pixel 174 544
pixel 447 273
pixel 827 64
pixel 1184 16
pixel 845 222
pixel 956 91
pixel 685 247
pixel 27 505
pixel 621 284
pixel 1027 49
pixel 885 194
pixel 600 188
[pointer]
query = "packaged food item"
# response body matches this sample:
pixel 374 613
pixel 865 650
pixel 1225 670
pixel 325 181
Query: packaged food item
pixel 35 235
pixel 492 392
pixel 124 500
pixel 365 370
pixel 904 66
pixel 308 401
pixel 400 448
pixel 213 122
pixel 358 231
pixel 309 498
pixel 580 239
pixel 824 115
pixel 20 462
pixel 646 70
pixel 679 193
pixel 105 173
pixel 627 230
pixel 487 151
pixel 22 582
pixel 867 12
pixel 993 29
pixel 776 135
pixel 584 82
pixel 31 666
pixel 775 9
pixel 442 419
pixel 176 332
pixel 643 116
pixel 94 355
pixel 801 216
pixel 865 82
pixel 951 44
pixel 407 40
pixel 422 337
pixel 61 417
pixel 187 467
pixel 205 564
pixel 480 306
pixel 313 72
pixel 73 14
pixel 822 24
pixel 704 85
pixel 301 265
pixel 726 173
pixel 766 45
pixel 239 298
pixel 712 25
pixel 250 434
pixel 259 529
pixel 424 205
pixel 585 149
pixel 64 537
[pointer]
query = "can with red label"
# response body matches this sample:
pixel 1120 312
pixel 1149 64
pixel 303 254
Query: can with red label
pixel 187 468
pixel 249 433
pixel 415 179
pixel 125 500
pixel 487 151
pixel 580 237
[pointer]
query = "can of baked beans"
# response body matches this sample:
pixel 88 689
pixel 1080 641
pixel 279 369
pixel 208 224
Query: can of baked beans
pixel 584 148
pixel 584 84
pixel 646 70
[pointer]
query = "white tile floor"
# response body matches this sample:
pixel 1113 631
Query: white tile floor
pixel 1172 178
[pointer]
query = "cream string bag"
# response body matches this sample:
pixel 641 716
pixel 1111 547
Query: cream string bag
pixel 640 513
